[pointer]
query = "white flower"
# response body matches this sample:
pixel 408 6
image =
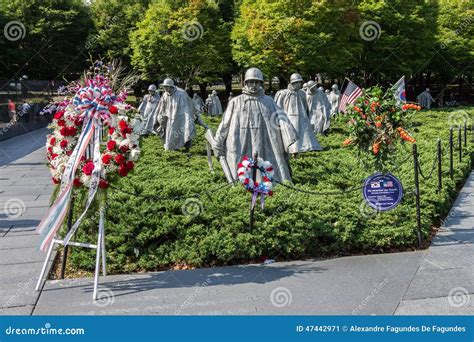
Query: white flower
pixel 134 154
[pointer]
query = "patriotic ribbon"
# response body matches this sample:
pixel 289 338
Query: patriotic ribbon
pixel 53 220
pixel 94 182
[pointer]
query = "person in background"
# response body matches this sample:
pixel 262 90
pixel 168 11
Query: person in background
pixel 12 111
pixel 425 99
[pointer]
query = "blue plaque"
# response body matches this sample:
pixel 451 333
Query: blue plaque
pixel 382 191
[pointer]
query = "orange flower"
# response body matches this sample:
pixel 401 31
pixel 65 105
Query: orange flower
pixel 405 136
pixel 347 142
pixel 378 124
pixel 376 147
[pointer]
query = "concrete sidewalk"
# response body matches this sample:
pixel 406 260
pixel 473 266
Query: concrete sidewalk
pixel 25 190
pixel 444 283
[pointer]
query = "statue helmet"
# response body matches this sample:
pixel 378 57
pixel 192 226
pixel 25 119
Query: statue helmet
pixel 427 89
pixel 214 92
pixel 335 87
pixel 305 85
pixel 311 84
pixel 296 78
pixel 168 82
pixel 321 88
pixel 152 87
pixel 253 74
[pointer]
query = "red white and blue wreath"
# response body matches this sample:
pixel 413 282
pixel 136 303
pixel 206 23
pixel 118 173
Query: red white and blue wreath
pixel 262 188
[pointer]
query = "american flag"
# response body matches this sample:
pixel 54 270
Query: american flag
pixel 351 93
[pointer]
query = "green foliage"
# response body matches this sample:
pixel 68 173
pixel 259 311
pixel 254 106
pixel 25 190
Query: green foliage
pixel 54 38
pixel 186 39
pixel 146 233
pixel 114 20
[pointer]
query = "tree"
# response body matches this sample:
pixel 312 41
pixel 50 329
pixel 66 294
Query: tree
pixel 455 46
pixel 281 37
pixel 114 20
pixel 53 45
pixel 184 39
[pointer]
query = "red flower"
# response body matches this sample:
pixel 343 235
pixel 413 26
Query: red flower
pixel 59 115
pixel 123 171
pixel 378 124
pixel 119 159
pixel 50 149
pixel 106 158
pixel 53 156
pixel 72 131
pixel 239 165
pixel 270 193
pixel 77 182
pixel 61 123
pixel 111 145
pixel 113 109
pixel 246 181
pixel 63 143
pixel 124 148
pixel 266 179
pixel 88 168
pixel 111 130
pixel 122 124
pixel 246 158
pixel 125 131
pixel 270 169
pixel 55 181
pixel 103 184
pixel 69 152
pixel 78 121
pixel 52 141
pixel 130 165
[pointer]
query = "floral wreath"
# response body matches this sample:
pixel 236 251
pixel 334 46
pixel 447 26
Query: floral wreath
pixel 122 143
pixel 244 172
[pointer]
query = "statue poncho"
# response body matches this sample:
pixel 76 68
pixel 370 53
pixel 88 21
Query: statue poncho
pixel 198 103
pixel 425 99
pixel 334 101
pixel 214 106
pixel 147 111
pixel 319 110
pixel 252 123
pixel 294 104
pixel 176 118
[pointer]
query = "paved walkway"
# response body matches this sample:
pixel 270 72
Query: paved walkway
pixel 438 280
pixel 25 190
pixel 444 283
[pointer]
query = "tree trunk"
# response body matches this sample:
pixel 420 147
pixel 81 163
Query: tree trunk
pixel 227 78
pixel 202 90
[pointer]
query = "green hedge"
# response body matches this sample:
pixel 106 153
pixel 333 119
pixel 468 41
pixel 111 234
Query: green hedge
pixel 144 234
